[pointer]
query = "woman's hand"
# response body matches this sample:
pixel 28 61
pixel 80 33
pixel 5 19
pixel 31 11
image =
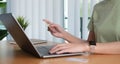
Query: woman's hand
pixel 55 29
pixel 70 48
pixel 59 32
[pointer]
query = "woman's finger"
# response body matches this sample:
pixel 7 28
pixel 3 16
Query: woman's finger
pixel 67 50
pixel 57 47
pixel 47 21
pixel 52 29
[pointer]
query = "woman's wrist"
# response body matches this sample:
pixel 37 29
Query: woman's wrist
pixel 66 36
pixel 70 38
pixel 87 47
pixel 92 45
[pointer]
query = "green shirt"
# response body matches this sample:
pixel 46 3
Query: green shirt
pixel 105 21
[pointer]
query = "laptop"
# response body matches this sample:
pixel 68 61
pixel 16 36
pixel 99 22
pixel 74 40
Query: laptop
pixel 24 42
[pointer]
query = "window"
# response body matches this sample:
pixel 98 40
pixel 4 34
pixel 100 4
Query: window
pixel 73 15
pixel 2 10
pixel 86 7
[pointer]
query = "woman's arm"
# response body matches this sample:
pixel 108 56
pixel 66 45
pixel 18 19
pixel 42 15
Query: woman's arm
pixel 71 39
pixel 107 48
pixel 59 32
pixel 101 48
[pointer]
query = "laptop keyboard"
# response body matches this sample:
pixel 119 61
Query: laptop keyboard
pixel 44 50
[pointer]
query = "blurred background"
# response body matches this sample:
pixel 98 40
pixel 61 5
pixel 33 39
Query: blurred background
pixel 72 15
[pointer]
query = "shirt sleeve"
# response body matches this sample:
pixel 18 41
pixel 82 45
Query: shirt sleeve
pixel 90 24
pixel 92 19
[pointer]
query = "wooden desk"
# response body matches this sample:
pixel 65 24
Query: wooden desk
pixel 11 54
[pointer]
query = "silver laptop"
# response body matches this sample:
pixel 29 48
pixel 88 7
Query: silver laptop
pixel 23 41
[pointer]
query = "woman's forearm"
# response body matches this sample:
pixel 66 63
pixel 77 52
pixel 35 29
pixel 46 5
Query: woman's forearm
pixel 107 48
pixel 70 38
pixel 101 48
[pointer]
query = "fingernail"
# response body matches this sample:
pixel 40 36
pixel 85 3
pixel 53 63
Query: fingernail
pixel 58 53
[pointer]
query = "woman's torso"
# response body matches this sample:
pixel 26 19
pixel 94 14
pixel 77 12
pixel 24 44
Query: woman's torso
pixel 107 22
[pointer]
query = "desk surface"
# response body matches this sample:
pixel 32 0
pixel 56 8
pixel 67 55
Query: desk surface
pixel 11 54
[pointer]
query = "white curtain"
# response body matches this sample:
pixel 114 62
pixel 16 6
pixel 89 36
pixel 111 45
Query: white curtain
pixel 74 17
pixel 35 11
pixel 87 9
pixel 77 9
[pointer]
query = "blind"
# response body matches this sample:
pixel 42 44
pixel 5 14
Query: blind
pixel 35 11
pixel 74 17
pixel 78 13
pixel 55 10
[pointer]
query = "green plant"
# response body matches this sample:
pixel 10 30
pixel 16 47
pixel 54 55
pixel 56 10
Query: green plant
pixel 23 22
pixel 3 33
pixel 2 4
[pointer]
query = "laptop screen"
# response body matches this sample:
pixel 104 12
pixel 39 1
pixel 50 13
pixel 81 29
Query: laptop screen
pixel 17 32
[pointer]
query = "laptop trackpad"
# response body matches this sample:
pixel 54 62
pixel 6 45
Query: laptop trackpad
pixel 44 50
